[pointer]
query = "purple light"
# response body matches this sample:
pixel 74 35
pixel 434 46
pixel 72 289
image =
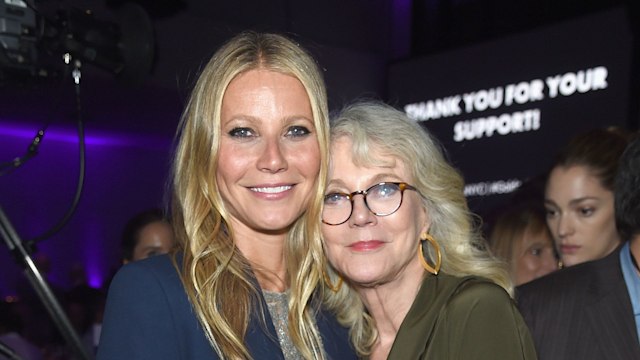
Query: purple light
pixel 124 172
pixel 92 137
pixel 94 240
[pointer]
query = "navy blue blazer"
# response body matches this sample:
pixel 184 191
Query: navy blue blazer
pixel 148 316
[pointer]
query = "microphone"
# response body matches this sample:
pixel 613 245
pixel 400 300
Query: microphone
pixel 32 150
pixel 33 147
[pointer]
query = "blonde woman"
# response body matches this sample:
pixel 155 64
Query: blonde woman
pixel 407 271
pixel 521 238
pixel 248 177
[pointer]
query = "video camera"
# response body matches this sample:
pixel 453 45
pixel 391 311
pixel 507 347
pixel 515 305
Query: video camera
pixel 32 45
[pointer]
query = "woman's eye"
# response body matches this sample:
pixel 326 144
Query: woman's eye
pixel 536 251
pixel 587 211
pixel 385 190
pixel 298 131
pixel 551 212
pixel 334 199
pixel 241 132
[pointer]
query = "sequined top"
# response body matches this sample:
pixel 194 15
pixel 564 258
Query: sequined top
pixel 278 304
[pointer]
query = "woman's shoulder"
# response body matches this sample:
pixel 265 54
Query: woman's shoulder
pixel 470 285
pixel 479 303
pixel 484 318
pixel 475 291
pixel 157 272
pixel 148 315
pixel 463 317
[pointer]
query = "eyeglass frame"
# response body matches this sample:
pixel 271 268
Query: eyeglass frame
pixel 401 184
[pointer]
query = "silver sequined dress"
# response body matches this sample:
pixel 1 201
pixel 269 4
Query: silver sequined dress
pixel 279 310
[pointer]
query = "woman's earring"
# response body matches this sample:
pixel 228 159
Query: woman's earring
pixel 432 269
pixel 327 281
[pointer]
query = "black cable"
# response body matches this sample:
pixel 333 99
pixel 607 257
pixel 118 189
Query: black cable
pixel 81 172
pixel 8 352
pixel 32 151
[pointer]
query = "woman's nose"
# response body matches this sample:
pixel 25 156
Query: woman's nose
pixel 360 214
pixel 565 226
pixel 273 159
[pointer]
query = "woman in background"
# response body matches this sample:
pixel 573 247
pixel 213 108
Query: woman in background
pixel 408 273
pixel 521 238
pixel 248 178
pixel 579 196
pixel 589 311
pixel 146 234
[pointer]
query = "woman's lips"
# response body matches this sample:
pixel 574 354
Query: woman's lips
pixel 569 249
pixel 363 246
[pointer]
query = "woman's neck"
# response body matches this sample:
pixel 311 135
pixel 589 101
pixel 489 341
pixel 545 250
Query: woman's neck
pixel 265 253
pixel 389 304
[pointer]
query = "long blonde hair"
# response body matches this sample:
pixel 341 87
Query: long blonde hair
pixel 218 279
pixel 376 125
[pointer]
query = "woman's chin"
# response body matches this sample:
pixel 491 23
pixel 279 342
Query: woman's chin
pixel 366 279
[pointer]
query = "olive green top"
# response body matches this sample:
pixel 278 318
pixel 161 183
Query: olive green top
pixel 465 318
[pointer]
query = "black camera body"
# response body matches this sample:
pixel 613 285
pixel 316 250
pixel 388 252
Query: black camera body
pixel 18 40
pixel 32 46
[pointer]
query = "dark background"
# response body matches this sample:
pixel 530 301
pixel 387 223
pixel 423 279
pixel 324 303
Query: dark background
pixel 130 128
pixel 590 59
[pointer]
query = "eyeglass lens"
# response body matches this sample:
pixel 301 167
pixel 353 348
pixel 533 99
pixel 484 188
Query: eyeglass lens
pixel 381 199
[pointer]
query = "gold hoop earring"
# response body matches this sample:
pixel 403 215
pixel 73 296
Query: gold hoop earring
pixel 327 281
pixel 435 269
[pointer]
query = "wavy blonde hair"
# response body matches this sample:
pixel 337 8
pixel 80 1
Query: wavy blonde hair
pixel 376 128
pixel 217 277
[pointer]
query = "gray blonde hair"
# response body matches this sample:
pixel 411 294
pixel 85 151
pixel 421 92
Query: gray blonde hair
pixel 218 279
pixel 374 125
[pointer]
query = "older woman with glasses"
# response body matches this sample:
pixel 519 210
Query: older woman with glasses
pixel 407 271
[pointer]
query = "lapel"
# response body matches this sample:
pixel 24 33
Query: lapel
pixel 261 338
pixel 609 312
